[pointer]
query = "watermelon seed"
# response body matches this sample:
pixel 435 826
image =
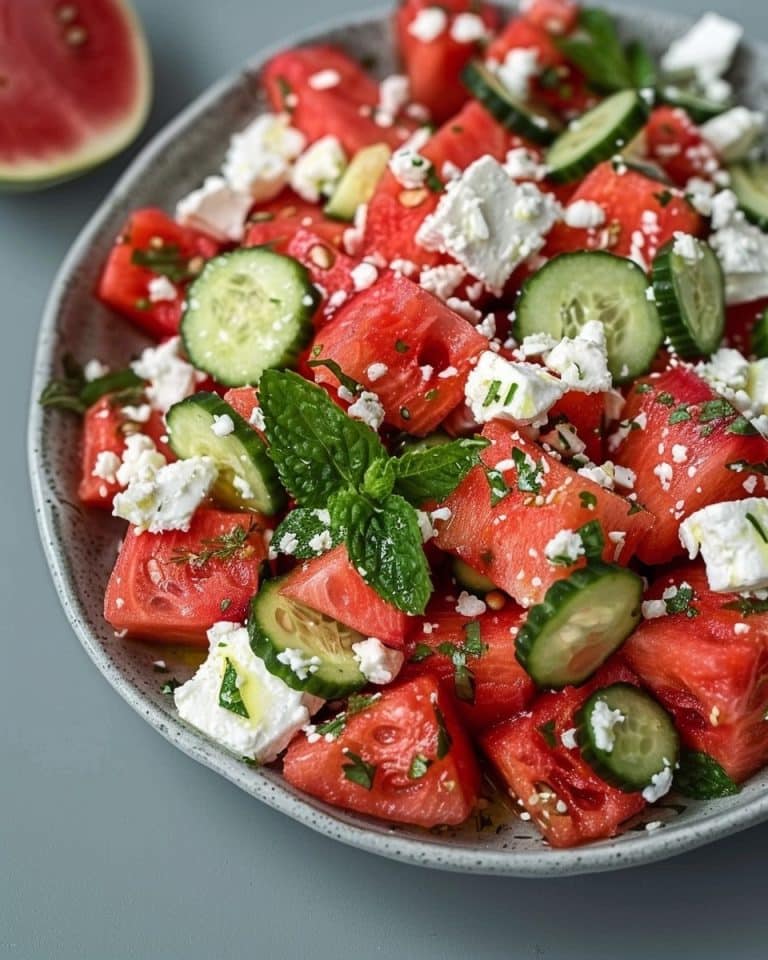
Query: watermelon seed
pixel 76 36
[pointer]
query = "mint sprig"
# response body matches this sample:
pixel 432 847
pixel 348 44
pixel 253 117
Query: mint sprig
pixel 74 393
pixel 329 462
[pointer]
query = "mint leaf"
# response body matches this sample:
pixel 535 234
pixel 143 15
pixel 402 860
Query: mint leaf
pixel 593 540
pixel 74 393
pixel 529 473
pixel 379 479
pixel 164 261
pixel 642 67
pixel 384 545
pixel 308 531
pixel 419 766
pixel 747 606
pixel 229 693
pixel 594 47
pixel 701 777
pixel 444 740
pixel 435 472
pixel 317 449
pixel 358 771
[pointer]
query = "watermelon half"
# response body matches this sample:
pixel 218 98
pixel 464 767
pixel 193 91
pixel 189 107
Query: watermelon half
pixel 75 87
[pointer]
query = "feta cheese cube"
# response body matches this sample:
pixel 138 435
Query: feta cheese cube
pixel 318 170
pixel 259 158
pixel 499 389
pixel 216 209
pixel 735 132
pixel 394 94
pixel 276 713
pixel 429 24
pixel 106 466
pixel 489 223
pixel 520 66
pixel 706 51
pixel 166 499
pixel 367 408
pixel 170 377
pixel 582 361
pixel 468 28
pixel 378 664
pixel 733 540
pixel 743 253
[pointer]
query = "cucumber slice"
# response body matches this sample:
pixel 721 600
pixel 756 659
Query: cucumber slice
pixel 248 310
pixel 758 338
pixel 699 108
pixel 582 621
pixel 690 298
pixel 644 741
pixel 319 648
pixel 574 288
pixel 749 181
pixel 408 443
pixel 247 478
pixel 533 122
pixel 596 136
pixel 468 578
pixel 359 181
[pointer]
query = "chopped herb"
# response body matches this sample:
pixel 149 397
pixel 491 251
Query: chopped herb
pixel 664 197
pixel 421 652
pixel 164 261
pixel 225 604
pixel 443 737
pixel 348 382
pixel 666 399
pixel 472 646
pixel 355 704
pixel 714 410
pixel 170 685
pixel 592 537
pixel 643 388
pixel 419 766
pixel 498 485
pixel 250 761
pixel 73 392
pixel 756 524
pixel 510 393
pixel 434 182
pixel 401 346
pixel 358 771
pixel 286 92
pixel 634 508
pixel 334 727
pixel 680 415
pixel 707 430
pixel 742 427
pixel 529 474
pixel 228 546
pixel 229 694
pixel 747 606
pixel 547 730
pixel 682 601
pixel 588 500
pixel 744 466
pixel 494 393
pixel 361 701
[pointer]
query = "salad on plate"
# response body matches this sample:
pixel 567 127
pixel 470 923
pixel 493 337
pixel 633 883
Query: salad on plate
pixel 449 454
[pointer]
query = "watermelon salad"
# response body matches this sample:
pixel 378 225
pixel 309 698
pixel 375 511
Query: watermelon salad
pixel 450 449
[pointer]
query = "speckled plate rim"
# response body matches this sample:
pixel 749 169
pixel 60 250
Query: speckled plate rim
pixel 267 785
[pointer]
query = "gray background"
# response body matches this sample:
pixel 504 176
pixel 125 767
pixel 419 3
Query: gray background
pixel 113 845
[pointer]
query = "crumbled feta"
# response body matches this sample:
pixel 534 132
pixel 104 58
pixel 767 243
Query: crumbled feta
pixel 536 344
pixel 378 664
pixel 489 223
pixel 259 158
pixel 706 50
pixel 376 371
pixel 520 66
pixel 521 164
pixel 603 722
pixel 325 80
pixel 568 739
pixel 409 168
pixel 653 609
pixel 363 276
pixel 222 425
pixel 161 290
pixel 168 498
pixel 505 390
pixel 743 253
pixel 94 369
pixel 318 170
pixel 660 785
pixel 734 133
pixel 138 414
pixel 687 247
pixel 141 460
pixel 216 209
pixel 367 407
pixel 300 663
pixel 564 548
pixel 468 605
pixel 679 453
pixel 394 94
pixel 275 711
pixel 442 281
pixel 582 361
pixel 468 28
pixel 428 24
pixel 723 209
pixel 584 215
pixel 106 466
pixel 170 377
pixel 256 419
pixel 733 540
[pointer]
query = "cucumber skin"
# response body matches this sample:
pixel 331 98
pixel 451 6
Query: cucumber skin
pixel 503 111
pixel 595 757
pixel 759 336
pixel 529 285
pixel 670 314
pixel 267 650
pixel 290 353
pixel 560 593
pixel 254 446
pixel 633 121
pixel 755 216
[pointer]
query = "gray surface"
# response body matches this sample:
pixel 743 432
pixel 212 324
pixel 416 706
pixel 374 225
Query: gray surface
pixel 114 845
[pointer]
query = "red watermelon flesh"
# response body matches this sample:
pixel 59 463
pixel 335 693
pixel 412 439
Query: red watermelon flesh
pixel 75 85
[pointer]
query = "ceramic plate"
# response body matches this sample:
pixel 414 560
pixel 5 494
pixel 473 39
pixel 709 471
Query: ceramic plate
pixel 81 545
